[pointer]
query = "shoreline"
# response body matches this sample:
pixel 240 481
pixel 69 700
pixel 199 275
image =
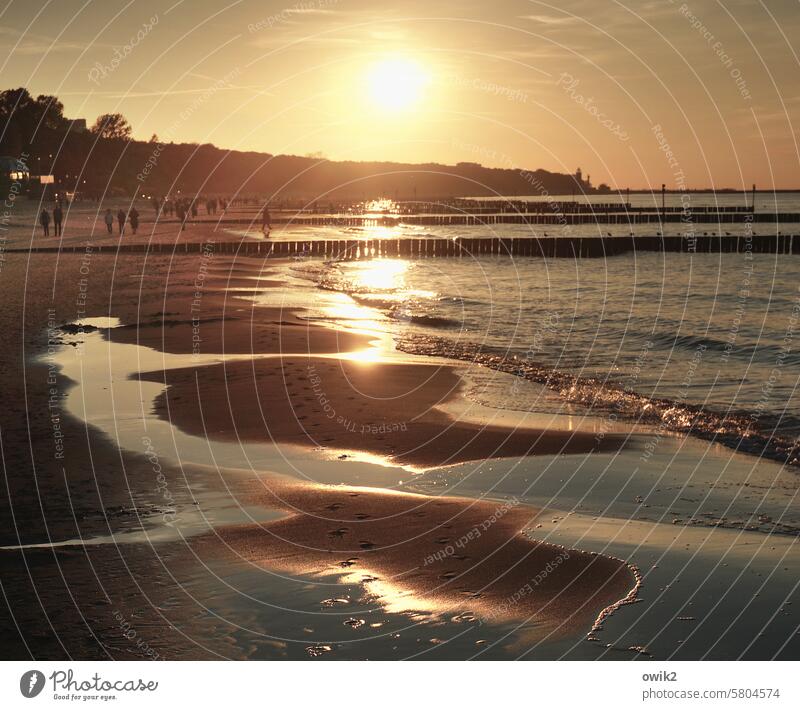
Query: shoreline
pixel 606 582
pixel 307 550
pixel 581 588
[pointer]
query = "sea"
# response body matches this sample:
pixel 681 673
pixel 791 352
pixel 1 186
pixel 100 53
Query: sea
pixel 703 344
pixel 693 358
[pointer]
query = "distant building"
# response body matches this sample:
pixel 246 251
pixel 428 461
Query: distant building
pixel 579 179
pixel 13 169
pixel 77 125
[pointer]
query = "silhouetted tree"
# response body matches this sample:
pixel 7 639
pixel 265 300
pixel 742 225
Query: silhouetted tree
pixel 26 122
pixel 113 126
pixel 49 112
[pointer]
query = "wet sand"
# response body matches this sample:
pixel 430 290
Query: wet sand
pixel 442 554
pixel 388 410
pixel 356 402
pixel 85 487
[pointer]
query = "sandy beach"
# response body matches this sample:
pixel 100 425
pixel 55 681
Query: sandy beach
pixel 237 464
pixel 353 332
pixel 218 461
pixel 454 554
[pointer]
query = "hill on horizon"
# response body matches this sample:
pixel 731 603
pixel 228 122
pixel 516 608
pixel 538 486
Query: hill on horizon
pixel 106 159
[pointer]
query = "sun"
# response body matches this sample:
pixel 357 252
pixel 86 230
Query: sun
pixel 396 83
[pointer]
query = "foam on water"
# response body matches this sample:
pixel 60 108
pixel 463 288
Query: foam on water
pixel 697 344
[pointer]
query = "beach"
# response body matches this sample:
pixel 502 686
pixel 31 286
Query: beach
pixel 224 460
pixel 438 333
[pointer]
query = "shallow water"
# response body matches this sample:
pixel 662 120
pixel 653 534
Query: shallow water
pixel 714 533
pixel 705 344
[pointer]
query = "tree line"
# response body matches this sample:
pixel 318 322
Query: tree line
pixel 105 159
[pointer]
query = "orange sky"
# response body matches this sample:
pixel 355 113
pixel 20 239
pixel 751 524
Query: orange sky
pixel 701 93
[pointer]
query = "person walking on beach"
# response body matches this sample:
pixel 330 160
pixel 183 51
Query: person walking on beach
pixel 266 220
pixel 121 217
pixel 133 218
pixel 44 220
pixel 180 212
pixel 58 216
pixel 109 219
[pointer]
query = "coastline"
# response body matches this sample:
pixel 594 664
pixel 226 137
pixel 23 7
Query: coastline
pixel 607 581
pixel 299 546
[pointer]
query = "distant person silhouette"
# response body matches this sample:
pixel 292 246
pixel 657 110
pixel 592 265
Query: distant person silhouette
pixel 180 213
pixel 133 218
pixel 121 217
pixel 266 220
pixel 58 216
pixel 44 220
pixel 109 220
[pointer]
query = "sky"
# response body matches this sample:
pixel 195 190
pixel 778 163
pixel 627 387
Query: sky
pixel 637 94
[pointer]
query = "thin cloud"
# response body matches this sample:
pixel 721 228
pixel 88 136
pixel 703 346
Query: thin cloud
pixel 553 20
pixel 29 43
pixel 166 94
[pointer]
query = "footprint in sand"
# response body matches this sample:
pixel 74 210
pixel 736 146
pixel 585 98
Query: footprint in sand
pixel 366 545
pixel 339 533
pixel 316 651
pixel 328 603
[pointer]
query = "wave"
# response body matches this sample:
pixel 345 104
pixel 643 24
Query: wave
pixel 734 347
pixel 426 320
pixel 759 432
pixel 746 432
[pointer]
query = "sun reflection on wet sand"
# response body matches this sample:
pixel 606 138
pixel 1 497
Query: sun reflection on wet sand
pixel 367 357
pixel 394 598
pixel 341 307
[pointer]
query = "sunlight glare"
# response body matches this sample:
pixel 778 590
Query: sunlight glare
pixel 397 83
pixel 383 274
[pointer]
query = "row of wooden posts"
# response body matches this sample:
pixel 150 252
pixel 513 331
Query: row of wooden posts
pixel 484 208
pixel 559 247
pixel 476 220
pixel 566 208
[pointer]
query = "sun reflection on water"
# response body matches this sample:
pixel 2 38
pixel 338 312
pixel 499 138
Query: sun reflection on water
pixel 383 274
pixel 381 206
